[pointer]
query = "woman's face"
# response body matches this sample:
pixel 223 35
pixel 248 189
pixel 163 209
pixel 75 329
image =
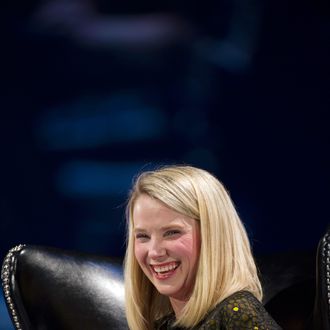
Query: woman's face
pixel 166 246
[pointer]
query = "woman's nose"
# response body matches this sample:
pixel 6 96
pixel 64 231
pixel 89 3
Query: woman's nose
pixel 156 249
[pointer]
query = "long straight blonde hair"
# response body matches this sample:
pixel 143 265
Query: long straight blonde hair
pixel 225 265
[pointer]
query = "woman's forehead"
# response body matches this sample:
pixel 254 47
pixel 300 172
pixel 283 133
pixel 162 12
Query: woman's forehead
pixel 150 211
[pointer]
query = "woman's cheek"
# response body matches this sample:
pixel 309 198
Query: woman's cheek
pixel 138 251
pixel 185 245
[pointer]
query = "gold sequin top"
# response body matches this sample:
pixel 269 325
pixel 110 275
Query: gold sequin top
pixel 239 311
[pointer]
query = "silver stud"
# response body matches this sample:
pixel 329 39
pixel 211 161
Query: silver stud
pixel 5 274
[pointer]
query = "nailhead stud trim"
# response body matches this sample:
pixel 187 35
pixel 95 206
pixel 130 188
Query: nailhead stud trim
pixel 326 260
pixel 5 278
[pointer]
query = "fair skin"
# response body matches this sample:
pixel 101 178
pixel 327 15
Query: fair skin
pixel 166 246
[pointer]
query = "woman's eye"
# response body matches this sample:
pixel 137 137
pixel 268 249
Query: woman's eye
pixel 172 232
pixel 141 236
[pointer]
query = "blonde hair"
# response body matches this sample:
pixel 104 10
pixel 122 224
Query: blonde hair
pixel 225 265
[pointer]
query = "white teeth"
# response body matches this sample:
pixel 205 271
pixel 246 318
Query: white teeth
pixel 164 268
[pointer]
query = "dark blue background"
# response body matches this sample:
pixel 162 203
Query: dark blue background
pixel 244 95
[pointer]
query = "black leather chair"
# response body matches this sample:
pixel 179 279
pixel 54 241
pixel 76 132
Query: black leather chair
pixel 48 288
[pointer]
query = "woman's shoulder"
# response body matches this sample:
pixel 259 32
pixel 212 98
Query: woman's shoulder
pixel 243 299
pixel 241 310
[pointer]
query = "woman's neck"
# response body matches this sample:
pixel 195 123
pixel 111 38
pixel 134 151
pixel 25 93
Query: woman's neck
pixel 177 306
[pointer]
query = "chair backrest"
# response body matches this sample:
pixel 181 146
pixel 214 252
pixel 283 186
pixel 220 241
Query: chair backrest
pixel 288 281
pixel 322 300
pixel 48 288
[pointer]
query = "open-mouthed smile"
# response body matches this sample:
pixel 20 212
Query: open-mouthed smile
pixel 163 271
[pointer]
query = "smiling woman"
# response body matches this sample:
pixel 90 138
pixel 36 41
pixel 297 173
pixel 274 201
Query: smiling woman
pixel 188 260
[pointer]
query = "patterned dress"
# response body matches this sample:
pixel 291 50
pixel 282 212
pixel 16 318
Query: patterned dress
pixel 239 311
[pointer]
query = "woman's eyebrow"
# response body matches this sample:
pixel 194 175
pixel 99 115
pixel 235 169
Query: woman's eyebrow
pixel 171 226
pixel 139 230
pixel 163 228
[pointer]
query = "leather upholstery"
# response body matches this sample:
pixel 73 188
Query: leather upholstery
pixel 47 288
pixel 288 280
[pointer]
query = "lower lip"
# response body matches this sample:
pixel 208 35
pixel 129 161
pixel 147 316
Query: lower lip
pixel 166 275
